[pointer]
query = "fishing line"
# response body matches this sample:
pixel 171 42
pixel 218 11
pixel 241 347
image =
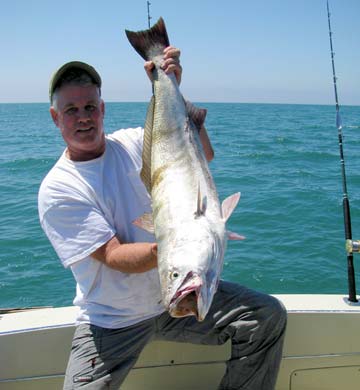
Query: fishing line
pixel 351 246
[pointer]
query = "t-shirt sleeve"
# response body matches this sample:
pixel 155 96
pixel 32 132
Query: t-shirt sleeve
pixel 75 229
pixel 132 140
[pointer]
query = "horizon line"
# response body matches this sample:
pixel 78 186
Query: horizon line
pixel 204 102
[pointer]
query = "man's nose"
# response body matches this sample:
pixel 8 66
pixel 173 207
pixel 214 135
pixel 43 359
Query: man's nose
pixel 83 115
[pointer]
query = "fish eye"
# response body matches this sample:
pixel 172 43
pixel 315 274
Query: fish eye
pixel 174 275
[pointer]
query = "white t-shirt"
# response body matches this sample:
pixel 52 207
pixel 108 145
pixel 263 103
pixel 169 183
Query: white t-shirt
pixel 84 204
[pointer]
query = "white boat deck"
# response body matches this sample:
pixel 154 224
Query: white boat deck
pixel 322 347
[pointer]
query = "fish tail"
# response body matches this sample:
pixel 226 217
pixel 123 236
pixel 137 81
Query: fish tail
pixel 151 42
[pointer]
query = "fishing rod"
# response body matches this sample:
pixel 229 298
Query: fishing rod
pixel 148 12
pixel 351 246
pixel 149 18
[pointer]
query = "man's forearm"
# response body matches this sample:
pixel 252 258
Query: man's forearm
pixel 129 258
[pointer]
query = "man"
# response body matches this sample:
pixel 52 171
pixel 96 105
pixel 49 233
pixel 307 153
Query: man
pixel 87 203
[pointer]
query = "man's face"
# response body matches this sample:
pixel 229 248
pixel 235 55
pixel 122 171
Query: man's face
pixel 79 115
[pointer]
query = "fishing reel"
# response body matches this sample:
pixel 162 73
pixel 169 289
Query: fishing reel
pixel 352 246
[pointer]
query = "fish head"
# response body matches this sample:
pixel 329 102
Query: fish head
pixel 185 300
pixel 192 276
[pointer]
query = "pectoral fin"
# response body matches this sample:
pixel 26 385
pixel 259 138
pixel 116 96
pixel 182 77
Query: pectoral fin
pixel 145 222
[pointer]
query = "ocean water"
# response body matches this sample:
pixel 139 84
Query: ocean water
pixel 283 158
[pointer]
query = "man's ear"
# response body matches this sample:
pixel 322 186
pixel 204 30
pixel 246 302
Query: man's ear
pixel 102 106
pixel 54 115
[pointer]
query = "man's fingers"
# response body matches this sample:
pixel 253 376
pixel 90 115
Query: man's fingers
pixel 174 68
pixel 171 63
pixel 171 51
pixel 149 66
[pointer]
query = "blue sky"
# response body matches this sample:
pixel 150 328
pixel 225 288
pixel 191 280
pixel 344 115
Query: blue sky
pixel 232 50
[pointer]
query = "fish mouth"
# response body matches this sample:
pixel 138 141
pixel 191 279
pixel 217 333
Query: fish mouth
pixel 186 300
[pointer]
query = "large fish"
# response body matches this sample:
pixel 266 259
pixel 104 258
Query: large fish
pixel 187 219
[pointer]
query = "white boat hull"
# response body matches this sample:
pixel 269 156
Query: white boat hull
pixel 321 352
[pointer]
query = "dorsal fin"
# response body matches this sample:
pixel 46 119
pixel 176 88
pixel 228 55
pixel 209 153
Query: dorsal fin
pixel 145 173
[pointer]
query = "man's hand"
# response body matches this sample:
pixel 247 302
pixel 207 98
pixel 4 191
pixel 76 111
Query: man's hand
pixel 171 63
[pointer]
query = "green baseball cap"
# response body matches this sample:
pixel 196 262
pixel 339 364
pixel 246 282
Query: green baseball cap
pixel 58 74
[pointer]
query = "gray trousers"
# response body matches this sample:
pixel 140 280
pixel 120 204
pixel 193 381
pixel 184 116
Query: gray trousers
pixel 255 322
